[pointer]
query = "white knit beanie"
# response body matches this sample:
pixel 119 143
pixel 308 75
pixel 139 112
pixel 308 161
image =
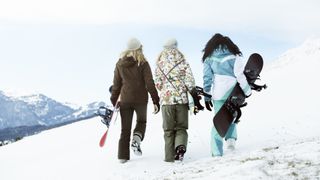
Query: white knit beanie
pixel 133 44
pixel 171 43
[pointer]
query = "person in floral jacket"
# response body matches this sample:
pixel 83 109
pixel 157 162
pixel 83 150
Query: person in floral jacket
pixel 173 79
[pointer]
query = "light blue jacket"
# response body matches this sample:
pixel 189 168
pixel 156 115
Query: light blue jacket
pixel 221 71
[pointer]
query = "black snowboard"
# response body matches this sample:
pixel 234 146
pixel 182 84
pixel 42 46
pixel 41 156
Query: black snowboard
pixel 230 111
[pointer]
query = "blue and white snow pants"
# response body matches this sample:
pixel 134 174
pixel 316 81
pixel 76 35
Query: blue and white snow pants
pixel 216 139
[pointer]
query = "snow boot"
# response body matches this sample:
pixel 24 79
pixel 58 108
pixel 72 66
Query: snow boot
pixel 135 145
pixel 122 161
pixel 180 150
pixel 231 143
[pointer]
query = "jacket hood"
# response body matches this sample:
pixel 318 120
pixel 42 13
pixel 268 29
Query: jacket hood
pixel 221 51
pixel 172 55
pixel 127 62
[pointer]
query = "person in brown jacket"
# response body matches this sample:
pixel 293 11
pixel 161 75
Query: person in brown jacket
pixel 131 83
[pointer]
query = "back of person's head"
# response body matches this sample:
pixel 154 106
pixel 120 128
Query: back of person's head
pixel 171 43
pixel 171 48
pixel 133 44
pixel 218 41
pixel 134 49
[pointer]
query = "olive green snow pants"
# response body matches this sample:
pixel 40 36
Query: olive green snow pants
pixel 126 113
pixel 175 125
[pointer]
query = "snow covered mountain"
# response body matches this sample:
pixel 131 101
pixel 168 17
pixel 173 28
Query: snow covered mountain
pixel 49 111
pixel 307 52
pixel 278 138
pixel 16 113
pixel 84 112
pixel 21 114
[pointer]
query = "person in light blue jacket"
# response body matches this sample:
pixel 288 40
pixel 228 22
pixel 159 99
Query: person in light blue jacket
pixel 222 69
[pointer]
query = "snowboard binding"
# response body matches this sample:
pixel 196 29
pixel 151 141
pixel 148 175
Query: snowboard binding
pixel 199 91
pixel 233 105
pixel 252 76
pixel 106 115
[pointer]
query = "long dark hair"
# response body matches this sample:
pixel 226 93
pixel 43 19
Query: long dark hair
pixel 217 40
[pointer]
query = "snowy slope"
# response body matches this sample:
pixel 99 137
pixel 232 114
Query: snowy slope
pixel 72 152
pixel 278 138
pixel 288 109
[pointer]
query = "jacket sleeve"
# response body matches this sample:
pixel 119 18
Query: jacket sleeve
pixel 241 78
pixel 117 84
pixel 189 79
pixel 207 78
pixel 158 78
pixel 148 79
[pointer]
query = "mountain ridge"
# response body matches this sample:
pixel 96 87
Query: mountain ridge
pixel 309 50
pixel 21 113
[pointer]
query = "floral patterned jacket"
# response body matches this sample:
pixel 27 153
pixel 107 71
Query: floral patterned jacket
pixel 173 77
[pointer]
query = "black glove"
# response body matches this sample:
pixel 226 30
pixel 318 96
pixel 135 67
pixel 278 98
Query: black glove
pixel 156 108
pixel 209 105
pixel 197 105
pixel 196 99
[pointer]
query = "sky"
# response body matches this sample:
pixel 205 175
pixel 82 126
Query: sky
pixel 67 49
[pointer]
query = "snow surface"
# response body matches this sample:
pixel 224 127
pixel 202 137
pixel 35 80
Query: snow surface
pixel 279 138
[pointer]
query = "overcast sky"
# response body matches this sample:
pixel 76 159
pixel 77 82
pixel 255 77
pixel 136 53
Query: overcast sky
pixel 294 18
pixel 67 49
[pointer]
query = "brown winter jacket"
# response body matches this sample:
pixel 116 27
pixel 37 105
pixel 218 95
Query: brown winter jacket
pixel 133 82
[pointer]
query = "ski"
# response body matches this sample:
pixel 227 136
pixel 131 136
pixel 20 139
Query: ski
pixel 107 116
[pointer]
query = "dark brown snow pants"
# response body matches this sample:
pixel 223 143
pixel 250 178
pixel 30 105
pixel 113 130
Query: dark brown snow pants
pixel 126 113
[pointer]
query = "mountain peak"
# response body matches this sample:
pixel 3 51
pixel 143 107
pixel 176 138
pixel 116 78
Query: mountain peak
pixel 38 109
pixel 309 47
pixel 308 51
pixel 34 98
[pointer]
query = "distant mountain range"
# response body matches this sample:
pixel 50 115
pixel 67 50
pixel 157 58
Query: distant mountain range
pixel 22 115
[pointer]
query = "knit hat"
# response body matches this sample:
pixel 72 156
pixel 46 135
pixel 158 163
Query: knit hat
pixel 133 44
pixel 171 43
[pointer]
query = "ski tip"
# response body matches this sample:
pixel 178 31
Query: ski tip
pixel 101 144
pixel 103 139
